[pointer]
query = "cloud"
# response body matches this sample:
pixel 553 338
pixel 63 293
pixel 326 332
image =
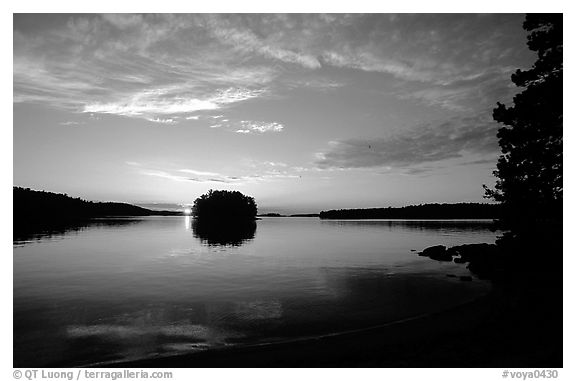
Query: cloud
pixel 36 82
pixel 245 40
pixel 418 171
pixel 121 65
pixel 145 105
pixel 257 172
pixel 195 176
pixel 240 126
pixel 149 104
pixel 275 164
pixel 198 173
pixel 319 84
pixel 162 121
pixel 249 127
pixel 431 142
pixel 468 94
pixel 165 175
pixel 161 66
pixel 367 61
pixel 71 123
pixel 492 161
pixel 233 95
pixel 123 21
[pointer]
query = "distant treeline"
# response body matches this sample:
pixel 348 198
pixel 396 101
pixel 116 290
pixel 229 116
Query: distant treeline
pixel 289 215
pixel 31 204
pixel 423 211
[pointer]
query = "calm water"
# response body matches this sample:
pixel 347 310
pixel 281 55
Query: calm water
pixel 155 286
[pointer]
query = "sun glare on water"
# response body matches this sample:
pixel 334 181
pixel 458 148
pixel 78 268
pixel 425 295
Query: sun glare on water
pixel 187 211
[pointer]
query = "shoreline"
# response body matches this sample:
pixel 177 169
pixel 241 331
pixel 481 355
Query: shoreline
pixel 492 330
pixel 284 344
pixel 390 342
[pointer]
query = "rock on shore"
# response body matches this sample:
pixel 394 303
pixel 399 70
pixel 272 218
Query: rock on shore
pixel 481 257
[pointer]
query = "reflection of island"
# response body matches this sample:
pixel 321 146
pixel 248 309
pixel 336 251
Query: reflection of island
pixel 222 232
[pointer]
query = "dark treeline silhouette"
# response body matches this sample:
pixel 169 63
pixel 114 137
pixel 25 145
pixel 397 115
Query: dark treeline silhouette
pixel 529 181
pixel 223 204
pixel 529 172
pixel 526 263
pixel 40 211
pixel 289 215
pixel 49 205
pixel 423 211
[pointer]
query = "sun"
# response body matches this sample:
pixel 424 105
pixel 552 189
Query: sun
pixel 187 211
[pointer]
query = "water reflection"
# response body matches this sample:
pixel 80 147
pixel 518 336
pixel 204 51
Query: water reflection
pixel 36 229
pixel 153 286
pixel 188 222
pixel 223 233
pixel 434 225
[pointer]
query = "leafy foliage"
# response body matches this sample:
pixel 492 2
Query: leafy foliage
pixel 529 171
pixel 224 204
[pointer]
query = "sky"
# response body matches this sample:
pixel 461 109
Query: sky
pixel 304 112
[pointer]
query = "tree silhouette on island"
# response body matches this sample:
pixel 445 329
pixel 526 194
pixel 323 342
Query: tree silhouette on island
pixel 224 218
pixel 224 205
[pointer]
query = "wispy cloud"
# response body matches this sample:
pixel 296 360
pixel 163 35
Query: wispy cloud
pixel 162 121
pixel 253 173
pixel 467 94
pixel 170 102
pixel 160 66
pixel 146 105
pixel 424 144
pixel 245 40
pixel 194 176
pixel 165 175
pixel 240 126
pixel 199 173
pixel 114 64
pixel 249 127
pixel 71 123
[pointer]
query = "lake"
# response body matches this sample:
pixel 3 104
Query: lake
pixel 133 288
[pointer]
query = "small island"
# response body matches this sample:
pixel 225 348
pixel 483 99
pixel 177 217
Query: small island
pixel 225 205
pixel 224 218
